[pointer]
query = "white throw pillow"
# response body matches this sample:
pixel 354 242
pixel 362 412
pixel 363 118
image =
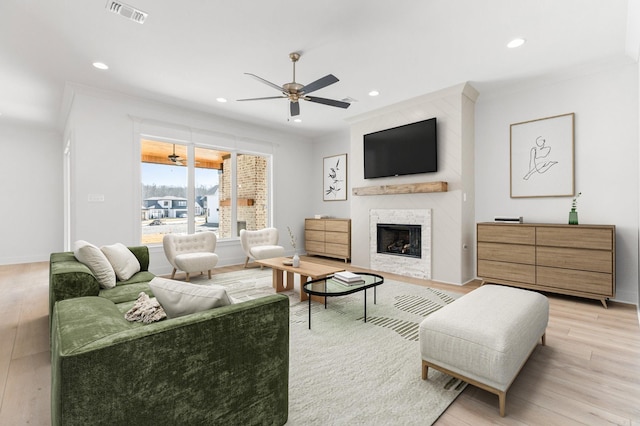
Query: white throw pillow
pixel 93 257
pixel 180 298
pixel 123 261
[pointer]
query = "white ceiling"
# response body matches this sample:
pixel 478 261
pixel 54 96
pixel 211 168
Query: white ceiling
pixel 191 52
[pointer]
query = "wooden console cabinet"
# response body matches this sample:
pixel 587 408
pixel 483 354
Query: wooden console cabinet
pixel 328 237
pixel 577 260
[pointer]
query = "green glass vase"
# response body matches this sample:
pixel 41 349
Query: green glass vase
pixel 573 217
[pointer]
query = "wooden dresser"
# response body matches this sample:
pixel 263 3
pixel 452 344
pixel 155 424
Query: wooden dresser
pixel 578 260
pixel 328 237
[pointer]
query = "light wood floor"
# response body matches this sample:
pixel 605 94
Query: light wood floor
pixel 588 374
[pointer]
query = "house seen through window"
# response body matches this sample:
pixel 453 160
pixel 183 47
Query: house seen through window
pixel 174 202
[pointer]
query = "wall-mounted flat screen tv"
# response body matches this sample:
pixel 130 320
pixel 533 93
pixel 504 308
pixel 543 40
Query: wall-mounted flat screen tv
pixel 403 150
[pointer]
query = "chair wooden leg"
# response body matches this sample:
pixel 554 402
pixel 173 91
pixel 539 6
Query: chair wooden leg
pixel 187 276
pixel 173 274
pixel 246 262
pixel 209 273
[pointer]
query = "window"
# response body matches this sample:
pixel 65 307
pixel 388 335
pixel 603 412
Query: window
pixel 180 196
pixel 207 173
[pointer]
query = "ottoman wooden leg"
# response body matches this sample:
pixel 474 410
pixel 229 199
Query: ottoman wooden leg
pixel 425 370
pixel 502 398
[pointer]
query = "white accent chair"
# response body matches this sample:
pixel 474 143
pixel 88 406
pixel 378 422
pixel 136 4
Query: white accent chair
pixel 191 252
pixel 260 244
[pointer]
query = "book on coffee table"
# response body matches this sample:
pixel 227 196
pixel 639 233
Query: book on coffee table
pixel 348 278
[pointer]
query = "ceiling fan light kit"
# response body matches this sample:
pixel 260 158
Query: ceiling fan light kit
pixel 295 91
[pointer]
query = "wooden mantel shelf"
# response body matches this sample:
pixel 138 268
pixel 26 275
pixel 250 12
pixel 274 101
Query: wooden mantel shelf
pixel 408 188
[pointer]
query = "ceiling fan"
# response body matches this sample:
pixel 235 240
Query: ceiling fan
pixel 175 158
pixel 296 91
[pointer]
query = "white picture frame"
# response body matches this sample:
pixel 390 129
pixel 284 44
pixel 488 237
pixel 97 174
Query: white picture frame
pixel 334 177
pixel 542 157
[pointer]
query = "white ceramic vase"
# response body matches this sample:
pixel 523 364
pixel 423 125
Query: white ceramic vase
pixel 296 260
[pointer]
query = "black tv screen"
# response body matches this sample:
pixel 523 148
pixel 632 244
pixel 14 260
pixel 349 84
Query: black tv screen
pixel 403 150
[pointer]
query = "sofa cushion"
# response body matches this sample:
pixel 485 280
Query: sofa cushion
pixel 179 298
pixel 97 262
pixel 138 277
pixel 85 320
pixel 122 260
pixel 125 293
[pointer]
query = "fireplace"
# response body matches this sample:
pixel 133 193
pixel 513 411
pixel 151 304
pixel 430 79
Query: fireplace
pixel 404 245
pixel 399 240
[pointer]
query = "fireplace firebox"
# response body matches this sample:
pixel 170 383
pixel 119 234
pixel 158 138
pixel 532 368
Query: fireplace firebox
pixel 399 240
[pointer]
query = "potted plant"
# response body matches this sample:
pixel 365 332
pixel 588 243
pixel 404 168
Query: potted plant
pixel 296 258
pixel 573 214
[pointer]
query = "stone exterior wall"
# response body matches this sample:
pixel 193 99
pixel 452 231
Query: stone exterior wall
pixel 252 196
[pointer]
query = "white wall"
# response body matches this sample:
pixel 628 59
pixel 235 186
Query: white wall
pixel 452 216
pixel 327 146
pixel 31 182
pixel 606 158
pixel 105 160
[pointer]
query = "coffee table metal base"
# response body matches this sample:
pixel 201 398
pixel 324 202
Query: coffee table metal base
pixel 365 304
pixel 330 287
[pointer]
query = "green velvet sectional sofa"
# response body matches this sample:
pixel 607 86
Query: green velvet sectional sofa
pixel 227 366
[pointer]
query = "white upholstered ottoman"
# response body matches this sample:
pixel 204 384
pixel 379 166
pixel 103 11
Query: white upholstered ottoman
pixel 485 336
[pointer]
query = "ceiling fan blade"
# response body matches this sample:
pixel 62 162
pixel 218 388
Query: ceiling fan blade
pixel 268 83
pixel 330 102
pixel 320 83
pixel 295 108
pixel 260 99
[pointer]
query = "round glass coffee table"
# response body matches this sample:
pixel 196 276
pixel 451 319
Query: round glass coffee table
pixel 332 287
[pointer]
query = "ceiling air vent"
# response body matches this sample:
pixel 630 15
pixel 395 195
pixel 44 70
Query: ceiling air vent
pixel 127 11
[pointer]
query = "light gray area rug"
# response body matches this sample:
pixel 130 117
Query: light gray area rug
pixel 347 372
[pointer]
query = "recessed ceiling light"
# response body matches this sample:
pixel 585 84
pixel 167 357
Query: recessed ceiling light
pixel 516 42
pixel 374 93
pixel 298 120
pixel 101 65
pixel 221 100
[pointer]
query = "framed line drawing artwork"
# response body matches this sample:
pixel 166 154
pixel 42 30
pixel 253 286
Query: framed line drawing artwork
pixel 542 157
pixel 334 176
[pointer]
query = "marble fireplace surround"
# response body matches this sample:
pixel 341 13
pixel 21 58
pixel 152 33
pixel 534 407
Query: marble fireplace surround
pixel 401 265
